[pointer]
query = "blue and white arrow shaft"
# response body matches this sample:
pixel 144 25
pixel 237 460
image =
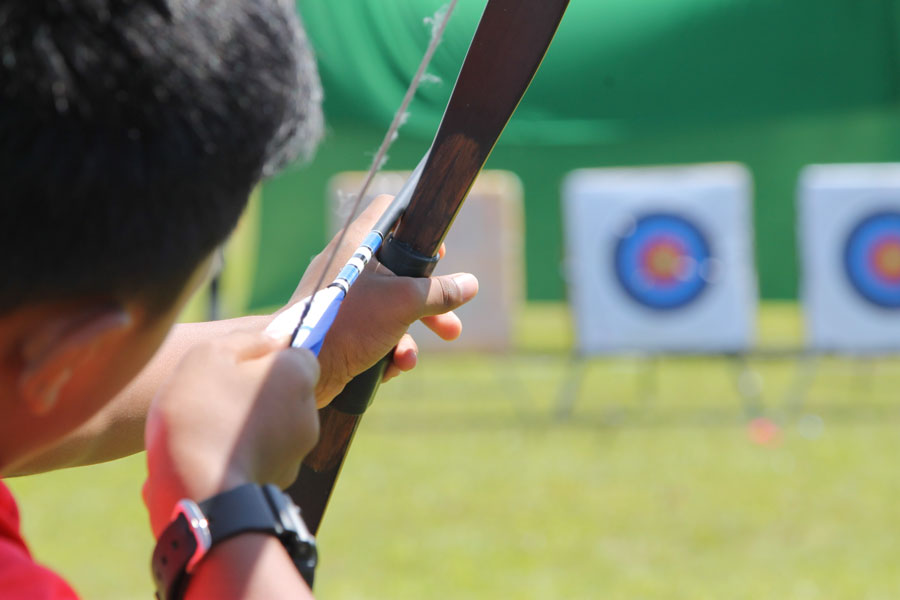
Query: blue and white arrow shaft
pixel 310 332
pixel 311 318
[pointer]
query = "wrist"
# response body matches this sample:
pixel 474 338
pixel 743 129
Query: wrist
pixel 251 565
pixel 196 529
pixel 167 484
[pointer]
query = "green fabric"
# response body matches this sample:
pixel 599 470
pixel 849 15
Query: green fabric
pixel 619 66
pixel 775 84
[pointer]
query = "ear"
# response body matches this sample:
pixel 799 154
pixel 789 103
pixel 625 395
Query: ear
pixel 56 348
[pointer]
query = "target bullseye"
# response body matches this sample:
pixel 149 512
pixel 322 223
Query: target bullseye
pixel 886 259
pixel 872 259
pixel 662 261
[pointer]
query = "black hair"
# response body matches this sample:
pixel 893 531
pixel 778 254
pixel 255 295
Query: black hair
pixel 132 132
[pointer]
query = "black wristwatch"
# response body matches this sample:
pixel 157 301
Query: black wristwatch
pixel 195 528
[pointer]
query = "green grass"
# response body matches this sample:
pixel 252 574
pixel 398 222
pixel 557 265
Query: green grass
pixel 463 484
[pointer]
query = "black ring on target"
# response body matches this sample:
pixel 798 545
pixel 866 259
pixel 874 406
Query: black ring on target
pixel 662 261
pixel 872 259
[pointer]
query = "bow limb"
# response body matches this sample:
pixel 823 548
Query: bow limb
pixel 508 47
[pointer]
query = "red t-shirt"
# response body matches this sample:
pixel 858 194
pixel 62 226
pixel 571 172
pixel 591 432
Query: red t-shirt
pixel 20 577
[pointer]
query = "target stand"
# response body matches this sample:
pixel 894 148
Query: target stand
pixel 848 228
pixel 659 260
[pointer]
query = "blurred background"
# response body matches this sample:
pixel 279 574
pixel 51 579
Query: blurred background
pixel 681 379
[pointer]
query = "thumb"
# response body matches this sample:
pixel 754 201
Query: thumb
pixel 448 292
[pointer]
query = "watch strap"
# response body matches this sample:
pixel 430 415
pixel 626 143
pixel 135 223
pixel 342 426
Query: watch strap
pixel 240 510
pixel 195 528
pixel 175 548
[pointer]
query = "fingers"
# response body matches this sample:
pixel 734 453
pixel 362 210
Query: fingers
pixel 447 326
pixel 377 311
pixel 293 374
pixel 296 366
pixel 406 354
pixel 405 357
pixel 390 373
pixel 300 367
pixel 414 298
pixel 248 344
pixel 264 418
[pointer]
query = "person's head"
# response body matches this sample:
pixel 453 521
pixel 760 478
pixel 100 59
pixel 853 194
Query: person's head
pixel 131 133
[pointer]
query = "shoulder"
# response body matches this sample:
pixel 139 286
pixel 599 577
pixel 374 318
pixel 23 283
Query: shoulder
pixel 20 575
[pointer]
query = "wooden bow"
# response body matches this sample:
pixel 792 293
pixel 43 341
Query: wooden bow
pixel 508 47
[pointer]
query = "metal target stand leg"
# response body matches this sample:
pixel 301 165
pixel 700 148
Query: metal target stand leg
pixel 748 383
pixel 571 388
pixel 804 373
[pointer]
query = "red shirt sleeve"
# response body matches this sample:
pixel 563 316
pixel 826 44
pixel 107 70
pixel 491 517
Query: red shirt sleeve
pixel 20 577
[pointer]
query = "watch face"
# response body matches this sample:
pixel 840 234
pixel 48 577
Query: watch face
pixel 298 541
pixel 288 514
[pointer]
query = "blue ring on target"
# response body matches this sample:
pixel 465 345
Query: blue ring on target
pixel 662 261
pixel 872 259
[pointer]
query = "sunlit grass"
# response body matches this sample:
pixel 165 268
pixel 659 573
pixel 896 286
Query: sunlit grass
pixel 464 483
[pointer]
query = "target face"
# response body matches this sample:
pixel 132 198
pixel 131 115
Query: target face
pixel 662 262
pixel 872 259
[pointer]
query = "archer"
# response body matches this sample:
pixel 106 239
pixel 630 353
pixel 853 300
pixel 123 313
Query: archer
pixel 131 133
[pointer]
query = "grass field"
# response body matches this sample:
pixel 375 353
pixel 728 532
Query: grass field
pixel 462 484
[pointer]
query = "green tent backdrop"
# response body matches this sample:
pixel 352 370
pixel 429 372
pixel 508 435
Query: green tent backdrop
pixel 773 84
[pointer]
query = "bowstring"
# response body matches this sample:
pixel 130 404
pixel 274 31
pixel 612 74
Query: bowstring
pixel 439 24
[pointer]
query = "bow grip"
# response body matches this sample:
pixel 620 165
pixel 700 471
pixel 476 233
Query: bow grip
pixel 403 261
pixel 338 421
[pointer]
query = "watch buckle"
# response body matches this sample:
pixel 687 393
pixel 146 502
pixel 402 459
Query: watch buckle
pixel 199 526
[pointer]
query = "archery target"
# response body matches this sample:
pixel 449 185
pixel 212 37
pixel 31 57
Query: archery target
pixel 660 258
pixel 849 226
pixel 662 261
